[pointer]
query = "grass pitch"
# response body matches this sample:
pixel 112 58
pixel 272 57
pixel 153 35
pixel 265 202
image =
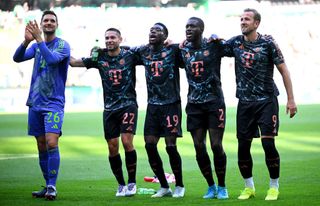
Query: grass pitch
pixel 85 177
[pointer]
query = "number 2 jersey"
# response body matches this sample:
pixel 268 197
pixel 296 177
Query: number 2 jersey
pixel 118 78
pixel 254 66
pixel 202 67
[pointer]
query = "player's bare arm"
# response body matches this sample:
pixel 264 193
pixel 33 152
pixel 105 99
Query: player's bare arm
pixel 76 62
pixel 291 105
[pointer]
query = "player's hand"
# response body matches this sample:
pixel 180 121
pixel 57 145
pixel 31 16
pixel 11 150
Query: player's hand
pixel 125 47
pixel 291 108
pixel 214 38
pixel 168 42
pixel 96 49
pixel 27 35
pixel 183 43
pixel 34 29
pixel 268 37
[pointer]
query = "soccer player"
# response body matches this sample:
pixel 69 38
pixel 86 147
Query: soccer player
pixel 258 109
pixel 117 71
pixel 163 118
pixel 205 107
pixel 47 94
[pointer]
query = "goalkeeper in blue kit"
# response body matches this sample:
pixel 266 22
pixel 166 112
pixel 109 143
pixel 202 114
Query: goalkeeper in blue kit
pixel 47 94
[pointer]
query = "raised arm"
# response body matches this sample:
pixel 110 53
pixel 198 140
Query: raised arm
pixel 76 62
pixel 22 53
pixel 51 57
pixel 291 107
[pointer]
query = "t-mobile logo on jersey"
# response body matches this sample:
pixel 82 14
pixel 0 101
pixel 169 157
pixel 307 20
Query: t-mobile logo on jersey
pixel 156 68
pixel 115 75
pixel 247 59
pixel 197 68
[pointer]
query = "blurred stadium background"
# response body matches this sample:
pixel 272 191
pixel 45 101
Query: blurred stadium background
pixel 291 22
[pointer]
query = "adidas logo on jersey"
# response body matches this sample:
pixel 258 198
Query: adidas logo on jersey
pixel 55 126
pixel 174 130
pixel 221 125
pixel 129 128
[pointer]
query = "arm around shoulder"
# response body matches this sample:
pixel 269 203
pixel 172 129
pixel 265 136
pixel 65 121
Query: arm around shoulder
pixel 76 62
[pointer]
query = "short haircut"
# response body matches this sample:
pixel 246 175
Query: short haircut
pixel 49 12
pixel 200 21
pixel 165 29
pixel 115 30
pixel 256 14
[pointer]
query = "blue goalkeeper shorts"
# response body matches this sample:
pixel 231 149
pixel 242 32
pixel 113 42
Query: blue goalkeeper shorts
pixel 42 122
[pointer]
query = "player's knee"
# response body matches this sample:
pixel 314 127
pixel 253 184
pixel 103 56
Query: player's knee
pixel 200 148
pixel 217 149
pixel 201 152
pixel 113 149
pixel 171 150
pixel 244 149
pixel 268 143
pixel 269 147
pixel 153 155
pixel 244 145
pixel 52 140
pixel 52 143
pixel 150 147
pixel 113 152
pixel 42 144
pixel 128 147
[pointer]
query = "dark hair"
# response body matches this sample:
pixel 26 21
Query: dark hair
pixel 115 30
pixel 200 22
pixel 49 12
pixel 164 28
pixel 256 14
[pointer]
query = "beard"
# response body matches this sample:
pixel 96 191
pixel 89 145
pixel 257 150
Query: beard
pixel 247 32
pixel 49 32
pixel 113 48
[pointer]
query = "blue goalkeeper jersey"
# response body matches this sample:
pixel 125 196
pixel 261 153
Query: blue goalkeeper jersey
pixel 254 66
pixel 162 74
pixel 202 67
pixel 51 61
pixel 118 77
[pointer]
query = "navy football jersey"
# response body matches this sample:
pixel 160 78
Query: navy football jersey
pixel 203 71
pixel 118 78
pixel 162 74
pixel 254 66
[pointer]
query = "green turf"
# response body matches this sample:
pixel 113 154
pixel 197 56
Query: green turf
pixel 85 177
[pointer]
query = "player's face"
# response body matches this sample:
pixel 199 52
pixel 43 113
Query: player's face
pixel 248 24
pixel 193 30
pixel 112 40
pixel 156 35
pixel 49 24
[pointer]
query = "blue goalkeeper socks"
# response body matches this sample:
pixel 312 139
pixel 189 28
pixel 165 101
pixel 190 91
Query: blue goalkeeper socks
pixel 43 162
pixel 53 165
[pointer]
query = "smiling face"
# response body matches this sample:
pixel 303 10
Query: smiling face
pixel 157 35
pixel 193 30
pixel 49 24
pixel 112 40
pixel 248 23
